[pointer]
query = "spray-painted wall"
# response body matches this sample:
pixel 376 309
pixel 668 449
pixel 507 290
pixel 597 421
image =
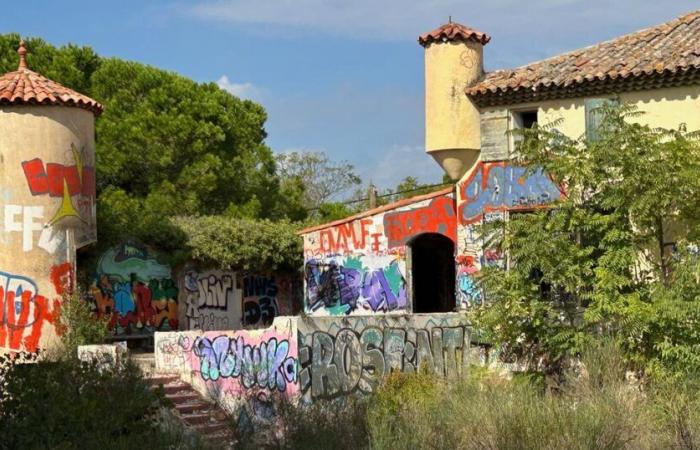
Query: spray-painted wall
pixel 314 358
pixel 358 266
pixel 47 210
pixel 488 193
pixel 234 367
pixel 230 300
pixel 135 288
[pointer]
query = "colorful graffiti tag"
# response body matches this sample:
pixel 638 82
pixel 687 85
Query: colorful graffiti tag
pixel 340 285
pixel 499 187
pixel 233 362
pixel 23 312
pixel 73 184
pixel 135 290
pixel 340 361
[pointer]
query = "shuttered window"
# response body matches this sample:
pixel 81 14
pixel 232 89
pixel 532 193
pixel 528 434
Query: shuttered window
pixel 594 115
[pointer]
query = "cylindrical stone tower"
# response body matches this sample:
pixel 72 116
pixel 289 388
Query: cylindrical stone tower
pixel 453 61
pixel 47 201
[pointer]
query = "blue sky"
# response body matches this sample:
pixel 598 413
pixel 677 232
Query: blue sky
pixel 341 76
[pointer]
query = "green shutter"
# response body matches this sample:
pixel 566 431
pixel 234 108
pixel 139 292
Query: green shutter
pixel 594 116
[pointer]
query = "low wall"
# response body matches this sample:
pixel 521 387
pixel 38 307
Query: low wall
pixel 232 366
pixel 311 358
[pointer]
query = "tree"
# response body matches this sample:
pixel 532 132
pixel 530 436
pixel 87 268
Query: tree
pixel 323 180
pixel 601 261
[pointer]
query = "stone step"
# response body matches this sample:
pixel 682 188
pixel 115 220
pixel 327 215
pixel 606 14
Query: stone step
pixel 174 388
pixel 182 397
pixel 187 408
pixel 196 418
pixel 163 380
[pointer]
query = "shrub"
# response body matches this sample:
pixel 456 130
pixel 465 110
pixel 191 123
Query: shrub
pixel 78 324
pixel 71 404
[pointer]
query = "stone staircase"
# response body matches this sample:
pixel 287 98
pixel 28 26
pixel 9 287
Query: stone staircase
pixel 196 413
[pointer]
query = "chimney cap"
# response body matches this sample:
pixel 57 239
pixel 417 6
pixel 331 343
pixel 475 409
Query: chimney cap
pixel 453 31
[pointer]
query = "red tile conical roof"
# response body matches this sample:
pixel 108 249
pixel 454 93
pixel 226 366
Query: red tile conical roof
pixel 453 31
pixel 25 87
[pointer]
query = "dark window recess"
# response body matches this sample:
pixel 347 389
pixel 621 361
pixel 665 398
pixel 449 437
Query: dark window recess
pixel 526 119
pixel 433 273
pixel 594 115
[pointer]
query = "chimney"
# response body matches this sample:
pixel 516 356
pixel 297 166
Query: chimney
pixel 453 61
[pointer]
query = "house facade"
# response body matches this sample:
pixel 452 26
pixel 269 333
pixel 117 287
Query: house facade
pixel 401 258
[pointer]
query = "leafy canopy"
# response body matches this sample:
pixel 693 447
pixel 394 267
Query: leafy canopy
pixel 611 257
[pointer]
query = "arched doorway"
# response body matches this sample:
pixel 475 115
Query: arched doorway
pixel 432 273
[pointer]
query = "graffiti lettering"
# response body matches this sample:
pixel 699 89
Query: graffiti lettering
pixel 267 365
pixel 211 300
pixel 496 186
pixel 345 237
pixel 341 287
pixel 438 217
pixel 259 300
pixel 23 313
pixel 356 361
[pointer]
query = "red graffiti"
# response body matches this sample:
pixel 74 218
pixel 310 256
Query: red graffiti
pixel 339 238
pixel 22 331
pixel 50 180
pixel 438 217
pixel 62 278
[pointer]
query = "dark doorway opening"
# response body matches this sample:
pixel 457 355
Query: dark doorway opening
pixel 433 273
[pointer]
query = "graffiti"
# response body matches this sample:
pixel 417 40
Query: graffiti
pixel 171 348
pixel 259 300
pixel 73 184
pixel 30 222
pixel 438 217
pixel 135 290
pixel 212 298
pixel 497 186
pixel 341 287
pixel 353 360
pixel 345 237
pixel 23 312
pixel 266 365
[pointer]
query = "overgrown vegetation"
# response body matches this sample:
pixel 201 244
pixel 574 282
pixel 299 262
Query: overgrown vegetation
pixel 596 407
pixel 78 325
pixel 68 404
pixel 616 256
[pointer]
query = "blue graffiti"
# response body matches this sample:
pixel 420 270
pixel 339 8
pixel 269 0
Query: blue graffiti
pixel 123 301
pixel 506 188
pixel 469 292
pixel 266 365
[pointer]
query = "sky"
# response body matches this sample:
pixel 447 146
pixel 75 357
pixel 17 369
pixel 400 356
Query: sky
pixel 340 76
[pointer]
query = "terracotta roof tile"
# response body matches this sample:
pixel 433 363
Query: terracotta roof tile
pixel 24 86
pixel 664 55
pixel 453 31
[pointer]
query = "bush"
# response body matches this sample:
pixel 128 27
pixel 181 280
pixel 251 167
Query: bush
pixel 67 404
pixel 78 324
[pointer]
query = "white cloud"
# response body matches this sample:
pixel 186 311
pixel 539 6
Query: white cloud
pixel 242 90
pixel 402 19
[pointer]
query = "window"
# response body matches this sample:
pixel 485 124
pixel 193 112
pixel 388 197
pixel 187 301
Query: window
pixel 594 115
pixel 524 119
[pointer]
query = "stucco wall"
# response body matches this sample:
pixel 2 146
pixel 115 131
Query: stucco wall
pixel 47 210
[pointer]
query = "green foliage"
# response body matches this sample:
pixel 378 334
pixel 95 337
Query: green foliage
pixel 68 404
pixel 246 244
pixel 329 212
pixel 78 324
pixel 600 262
